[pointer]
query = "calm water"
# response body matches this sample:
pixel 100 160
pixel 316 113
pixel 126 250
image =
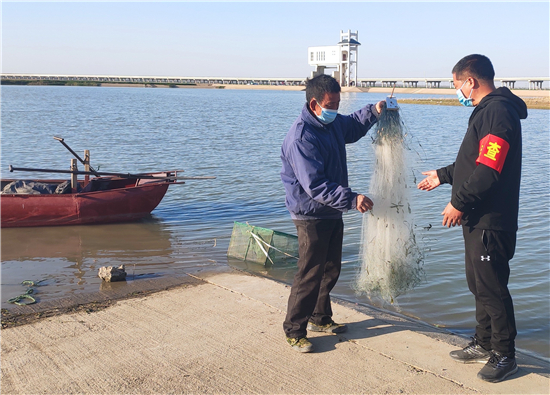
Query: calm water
pixel 236 136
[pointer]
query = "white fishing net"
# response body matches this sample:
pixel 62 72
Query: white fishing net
pixel 391 259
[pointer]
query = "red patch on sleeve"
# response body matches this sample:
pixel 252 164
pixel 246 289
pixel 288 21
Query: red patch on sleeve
pixel 492 152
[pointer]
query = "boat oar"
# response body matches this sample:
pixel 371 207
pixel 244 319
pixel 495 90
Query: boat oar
pixel 122 175
pixel 62 141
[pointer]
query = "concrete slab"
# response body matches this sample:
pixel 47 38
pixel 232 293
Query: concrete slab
pixel 223 334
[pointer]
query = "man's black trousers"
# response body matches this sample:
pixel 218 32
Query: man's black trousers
pixel 318 271
pixel 487 272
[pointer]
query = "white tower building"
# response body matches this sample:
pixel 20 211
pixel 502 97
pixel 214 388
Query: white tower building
pixel 342 57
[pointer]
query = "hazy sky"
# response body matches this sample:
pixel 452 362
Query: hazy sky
pixel 260 39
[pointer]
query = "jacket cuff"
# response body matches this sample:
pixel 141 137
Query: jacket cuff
pixel 442 175
pixel 457 204
pixel 353 205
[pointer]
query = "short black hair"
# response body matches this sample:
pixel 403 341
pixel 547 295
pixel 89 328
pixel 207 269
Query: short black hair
pixel 318 86
pixel 477 66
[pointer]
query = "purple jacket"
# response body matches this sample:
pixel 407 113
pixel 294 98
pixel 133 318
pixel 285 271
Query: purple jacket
pixel 315 172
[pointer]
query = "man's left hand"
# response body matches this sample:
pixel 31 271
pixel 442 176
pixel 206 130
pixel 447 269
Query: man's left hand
pixel 451 216
pixel 380 105
pixel 363 203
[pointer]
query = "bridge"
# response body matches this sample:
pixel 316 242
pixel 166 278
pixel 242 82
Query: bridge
pixel 154 80
pixel 533 82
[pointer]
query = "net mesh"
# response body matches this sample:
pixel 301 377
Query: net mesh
pixel 391 261
pixel 261 245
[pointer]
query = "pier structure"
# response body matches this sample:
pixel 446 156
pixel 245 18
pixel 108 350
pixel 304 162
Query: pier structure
pixel 342 57
pixel 533 83
pixel 404 82
pixel 120 79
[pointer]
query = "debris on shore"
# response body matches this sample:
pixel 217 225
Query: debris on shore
pixel 111 274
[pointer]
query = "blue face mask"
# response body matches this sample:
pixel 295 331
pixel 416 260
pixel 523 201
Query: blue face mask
pixel 462 99
pixel 327 116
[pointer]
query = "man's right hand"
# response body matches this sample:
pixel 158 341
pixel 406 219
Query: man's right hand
pixel 380 105
pixel 364 204
pixel 430 182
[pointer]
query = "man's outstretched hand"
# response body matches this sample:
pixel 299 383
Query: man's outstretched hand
pixel 430 182
pixel 364 204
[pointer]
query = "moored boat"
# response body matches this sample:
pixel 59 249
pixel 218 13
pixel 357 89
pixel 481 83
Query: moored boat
pixel 100 200
pixel 105 198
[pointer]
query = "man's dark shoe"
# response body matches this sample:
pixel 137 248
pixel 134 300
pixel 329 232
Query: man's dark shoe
pixel 331 327
pixel 498 368
pixel 472 353
pixel 301 344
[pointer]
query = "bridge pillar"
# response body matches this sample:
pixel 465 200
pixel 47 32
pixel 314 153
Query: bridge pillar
pixel 433 84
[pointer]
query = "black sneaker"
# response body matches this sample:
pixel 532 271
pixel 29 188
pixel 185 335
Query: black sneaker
pixel 331 327
pixel 472 353
pixel 498 368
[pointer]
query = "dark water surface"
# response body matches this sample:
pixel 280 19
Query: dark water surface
pixel 236 136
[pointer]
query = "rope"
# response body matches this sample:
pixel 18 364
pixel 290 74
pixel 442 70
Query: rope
pixel 31 283
pixel 259 241
pixel 261 247
pixel 26 295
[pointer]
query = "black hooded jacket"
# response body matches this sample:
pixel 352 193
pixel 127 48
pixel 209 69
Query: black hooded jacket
pixel 487 171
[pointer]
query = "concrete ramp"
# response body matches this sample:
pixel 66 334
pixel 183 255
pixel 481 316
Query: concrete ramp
pixel 223 334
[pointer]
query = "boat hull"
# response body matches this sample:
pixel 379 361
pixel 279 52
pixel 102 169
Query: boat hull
pixel 97 207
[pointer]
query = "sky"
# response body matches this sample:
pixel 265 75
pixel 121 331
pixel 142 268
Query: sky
pixel 270 39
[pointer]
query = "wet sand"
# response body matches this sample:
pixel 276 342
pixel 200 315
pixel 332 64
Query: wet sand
pixel 221 332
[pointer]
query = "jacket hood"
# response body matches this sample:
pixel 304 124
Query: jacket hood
pixel 504 94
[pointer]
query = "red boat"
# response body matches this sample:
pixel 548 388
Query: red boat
pixel 100 200
pixel 106 198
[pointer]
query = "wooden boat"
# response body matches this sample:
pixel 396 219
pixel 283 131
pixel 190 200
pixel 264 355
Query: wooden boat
pixel 105 198
pixel 100 200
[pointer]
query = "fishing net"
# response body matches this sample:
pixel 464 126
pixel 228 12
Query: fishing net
pixel 391 259
pixel 261 245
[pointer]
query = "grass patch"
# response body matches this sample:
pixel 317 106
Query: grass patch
pixel 539 103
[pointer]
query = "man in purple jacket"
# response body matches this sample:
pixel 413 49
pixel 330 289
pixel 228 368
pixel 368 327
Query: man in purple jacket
pixel 315 177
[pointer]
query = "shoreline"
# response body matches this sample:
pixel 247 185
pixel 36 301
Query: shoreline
pixel 222 332
pixel 524 93
pixel 535 99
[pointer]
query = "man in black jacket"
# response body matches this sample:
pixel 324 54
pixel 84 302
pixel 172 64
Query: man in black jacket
pixel 485 182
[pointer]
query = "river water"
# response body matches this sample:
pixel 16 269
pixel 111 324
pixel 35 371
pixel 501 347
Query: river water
pixel 236 135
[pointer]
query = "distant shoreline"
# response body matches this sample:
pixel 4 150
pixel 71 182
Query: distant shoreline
pixel 535 99
pixel 534 103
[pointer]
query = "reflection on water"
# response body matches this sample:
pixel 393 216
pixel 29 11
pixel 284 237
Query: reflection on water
pixel 150 130
pixel 68 258
pixel 76 243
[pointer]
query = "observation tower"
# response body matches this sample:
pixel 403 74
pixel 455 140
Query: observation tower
pixel 342 57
